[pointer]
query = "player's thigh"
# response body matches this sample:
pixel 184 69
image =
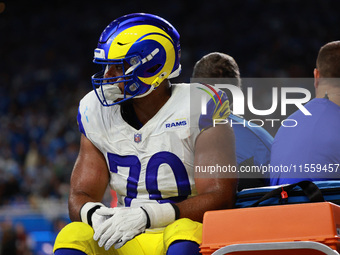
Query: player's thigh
pixel 79 236
pixel 157 242
pixel 183 229
pixel 150 242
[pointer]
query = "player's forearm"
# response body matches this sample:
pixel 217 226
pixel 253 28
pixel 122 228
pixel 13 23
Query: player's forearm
pixel 76 202
pixel 89 178
pixel 195 207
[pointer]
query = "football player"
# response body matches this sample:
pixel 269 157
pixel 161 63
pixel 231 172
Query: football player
pixel 142 136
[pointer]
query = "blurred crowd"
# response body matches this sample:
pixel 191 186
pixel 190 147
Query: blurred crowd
pixel 46 51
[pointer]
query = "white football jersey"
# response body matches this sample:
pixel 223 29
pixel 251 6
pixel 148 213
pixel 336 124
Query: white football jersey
pixel 156 162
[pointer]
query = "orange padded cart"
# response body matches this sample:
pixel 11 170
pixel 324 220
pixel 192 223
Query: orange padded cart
pixel 277 228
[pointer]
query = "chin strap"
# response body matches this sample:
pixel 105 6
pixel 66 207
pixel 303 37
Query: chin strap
pixel 152 87
pixel 175 73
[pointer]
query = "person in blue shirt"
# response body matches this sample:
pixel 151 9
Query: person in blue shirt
pixel 253 143
pixel 311 149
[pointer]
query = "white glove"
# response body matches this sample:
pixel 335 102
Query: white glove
pixel 161 215
pixel 121 225
pixel 98 219
pixel 87 211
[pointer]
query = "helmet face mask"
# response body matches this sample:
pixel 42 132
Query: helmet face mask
pixel 107 89
pixel 148 51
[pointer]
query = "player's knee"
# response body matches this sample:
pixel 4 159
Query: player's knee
pixel 183 225
pixel 76 235
pixel 183 229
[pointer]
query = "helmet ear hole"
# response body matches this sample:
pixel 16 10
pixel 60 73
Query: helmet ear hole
pixel 153 69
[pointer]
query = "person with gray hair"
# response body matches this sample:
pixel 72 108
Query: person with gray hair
pixel 253 143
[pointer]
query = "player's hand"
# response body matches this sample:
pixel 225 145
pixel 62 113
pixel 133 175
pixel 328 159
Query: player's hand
pixel 121 225
pixel 98 219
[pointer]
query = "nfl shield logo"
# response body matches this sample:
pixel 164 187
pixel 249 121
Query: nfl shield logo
pixel 138 138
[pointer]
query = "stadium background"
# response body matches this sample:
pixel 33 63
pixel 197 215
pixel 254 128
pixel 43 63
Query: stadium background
pixel 46 50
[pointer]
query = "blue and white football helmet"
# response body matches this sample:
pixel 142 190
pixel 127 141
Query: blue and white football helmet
pixel 148 45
